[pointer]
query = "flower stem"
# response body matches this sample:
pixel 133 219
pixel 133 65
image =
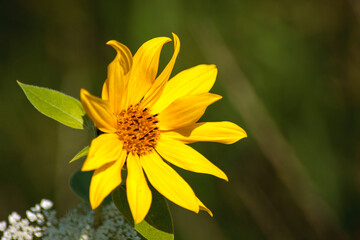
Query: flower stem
pixel 97 217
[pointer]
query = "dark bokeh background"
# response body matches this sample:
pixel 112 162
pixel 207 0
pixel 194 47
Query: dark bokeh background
pixel 289 73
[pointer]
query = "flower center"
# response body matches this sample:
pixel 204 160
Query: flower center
pixel 137 129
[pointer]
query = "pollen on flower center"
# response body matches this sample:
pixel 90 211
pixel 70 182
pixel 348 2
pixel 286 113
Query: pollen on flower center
pixel 137 128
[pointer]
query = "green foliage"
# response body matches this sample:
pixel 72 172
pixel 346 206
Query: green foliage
pixel 158 223
pixel 80 182
pixel 56 105
pixel 82 153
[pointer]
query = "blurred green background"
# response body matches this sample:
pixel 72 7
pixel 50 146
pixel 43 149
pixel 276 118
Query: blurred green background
pixel 289 73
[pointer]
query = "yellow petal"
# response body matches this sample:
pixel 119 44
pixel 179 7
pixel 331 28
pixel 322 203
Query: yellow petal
pixel 144 68
pixel 138 192
pixel 185 110
pixel 123 54
pixel 204 208
pixel 168 182
pixel 186 157
pixel 103 149
pixel 98 110
pixel 157 88
pixel 222 132
pixel 198 79
pixel 114 86
pixel 105 180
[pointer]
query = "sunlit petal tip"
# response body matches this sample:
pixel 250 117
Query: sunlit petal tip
pixel 94 204
pixel 222 175
pixel 207 210
pixel 240 134
pixel 211 67
pixel 244 134
pixel 225 178
pixel 160 82
pixel 175 37
pixel 168 182
pixel 166 39
pixel 111 42
pixel 105 180
pixel 84 96
pixel 137 190
pixel 204 208
pixel 214 69
pixel 84 92
pixel 157 42
pixel 120 48
pixel 217 97
pixel 117 45
pixel 151 42
pixel 124 56
pixel 214 97
pixel 144 69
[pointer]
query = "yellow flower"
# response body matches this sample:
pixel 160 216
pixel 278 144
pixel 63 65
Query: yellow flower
pixel 146 119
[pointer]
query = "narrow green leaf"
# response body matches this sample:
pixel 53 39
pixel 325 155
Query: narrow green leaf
pixel 158 223
pixel 56 105
pixel 152 232
pixel 80 183
pixel 120 200
pixel 82 153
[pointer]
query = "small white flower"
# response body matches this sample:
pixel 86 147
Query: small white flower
pixel 42 223
pixel 31 216
pixel 7 235
pixel 38 234
pixel 40 218
pixel 24 222
pixel 14 217
pixel 46 204
pixel 2 226
pixel 36 208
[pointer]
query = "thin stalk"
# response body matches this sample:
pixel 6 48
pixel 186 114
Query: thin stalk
pixel 97 217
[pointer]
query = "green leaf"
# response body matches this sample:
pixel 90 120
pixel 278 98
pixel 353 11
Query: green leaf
pixel 158 223
pixel 120 200
pixel 80 183
pixel 82 153
pixel 56 105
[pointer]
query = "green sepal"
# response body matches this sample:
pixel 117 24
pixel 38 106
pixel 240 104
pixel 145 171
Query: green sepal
pixel 84 152
pixel 56 105
pixel 157 225
pixel 80 184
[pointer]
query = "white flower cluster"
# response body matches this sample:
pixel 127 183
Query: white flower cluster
pixel 77 224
